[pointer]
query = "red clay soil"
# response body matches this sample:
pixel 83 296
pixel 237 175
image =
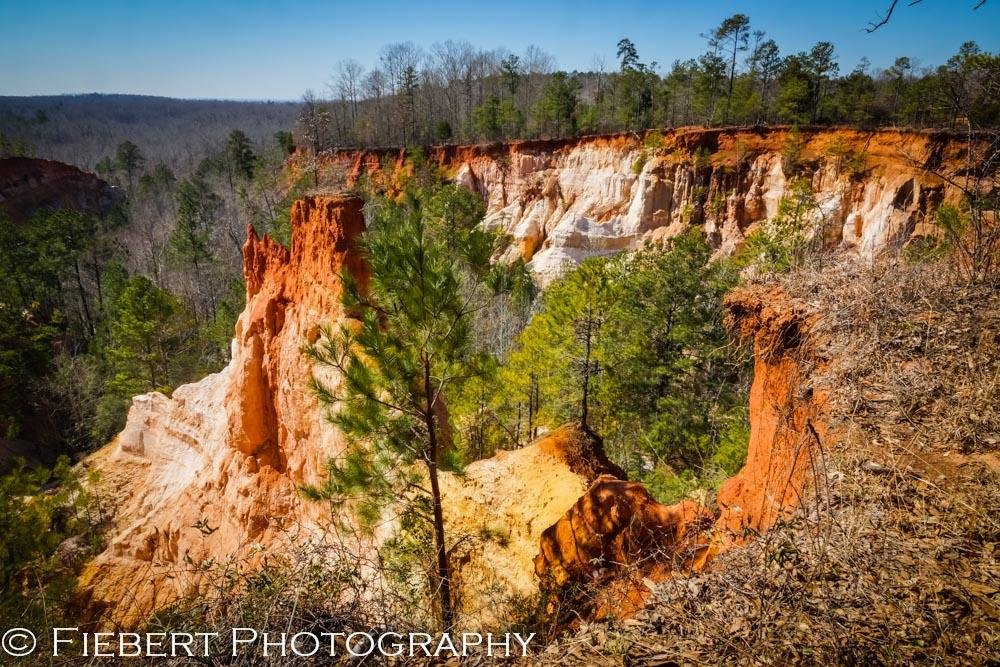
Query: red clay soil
pixel 30 184
pixel 601 556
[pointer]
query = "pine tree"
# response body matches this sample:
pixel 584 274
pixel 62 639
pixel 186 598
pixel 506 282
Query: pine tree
pixel 151 340
pixel 191 241
pixel 412 344
pixel 732 35
pixel 559 355
pixel 240 158
pixel 129 159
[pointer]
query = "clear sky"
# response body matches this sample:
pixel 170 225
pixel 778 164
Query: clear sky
pixel 270 49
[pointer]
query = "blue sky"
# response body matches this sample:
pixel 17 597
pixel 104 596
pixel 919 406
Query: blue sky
pixel 259 49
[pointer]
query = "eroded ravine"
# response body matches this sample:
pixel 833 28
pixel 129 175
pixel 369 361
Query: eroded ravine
pixel 212 473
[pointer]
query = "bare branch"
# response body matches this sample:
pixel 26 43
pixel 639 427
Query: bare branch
pixel 872 27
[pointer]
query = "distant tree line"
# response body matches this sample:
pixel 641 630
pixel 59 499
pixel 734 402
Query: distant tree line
pixel 455 92
pixel 83 129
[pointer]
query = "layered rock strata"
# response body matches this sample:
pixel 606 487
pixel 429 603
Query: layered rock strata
pixel 564 200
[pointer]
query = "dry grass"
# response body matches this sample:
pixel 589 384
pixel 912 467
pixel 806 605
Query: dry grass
pixel 894 558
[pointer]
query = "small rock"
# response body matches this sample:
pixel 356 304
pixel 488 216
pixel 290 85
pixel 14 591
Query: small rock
pixel 875 468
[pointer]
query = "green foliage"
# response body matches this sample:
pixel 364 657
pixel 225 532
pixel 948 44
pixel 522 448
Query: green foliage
pixel 216 335
pixel 971 234
pixel 129 160
pixel 160 180
pixel 513 279
pixel 728 454
pixel 555 113
pixel 413 320
pixel 44 296
pixel 29 319
pixel 668 366
pixel 239 155
pixel 640 162
pixel 13 147
pixel 443 132
pixel 662 379
pixel 275 219
pixel 152 340
pixel 791 151
pixel 497 119
pixel 635 88
pixel 550 355
pixel 28 522
pixel 39 509
pixel 852 162
pixel 783 242
pixel 197 207
pixel 668 487
pixel 74 386
pixel 285 141
pixel 926 248
pixel 412 345
pixel 654 140
pixel 731 452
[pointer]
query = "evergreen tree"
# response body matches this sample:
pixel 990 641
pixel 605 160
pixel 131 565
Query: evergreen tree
pixel 285 141
pixel 197 207
pixel 408 84
pixel 129 159
pixel 152 340
pixel 635 349
pixel 560 353
pixel 412 345
pixel 555 112
pixel 240 158
pixel 664 347
pixel 765 66
pixel 731 36
pixel 510 74
pixel 635 85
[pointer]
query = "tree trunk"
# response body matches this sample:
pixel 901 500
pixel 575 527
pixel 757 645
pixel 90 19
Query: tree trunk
pixel 732 76
pixel 443 571
pixel 88 322
pixel 584 408
pixel 96 265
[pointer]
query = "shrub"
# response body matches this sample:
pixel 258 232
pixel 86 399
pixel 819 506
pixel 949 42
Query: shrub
pixel 668 487
pixel 783 242
pixel 852 162
pixel 791 151
pixel 40 508
pixel 640 162
pixel 654 140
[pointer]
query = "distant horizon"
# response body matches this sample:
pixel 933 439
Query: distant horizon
pixel 154 96
pixel 258 51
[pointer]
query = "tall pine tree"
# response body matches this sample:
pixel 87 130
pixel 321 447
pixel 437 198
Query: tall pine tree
pixel 412 344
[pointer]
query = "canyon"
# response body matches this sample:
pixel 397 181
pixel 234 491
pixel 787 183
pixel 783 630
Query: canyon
pixel 561 201
pixel 211 474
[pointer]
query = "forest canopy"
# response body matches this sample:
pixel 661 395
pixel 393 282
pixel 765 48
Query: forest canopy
pixel 454 92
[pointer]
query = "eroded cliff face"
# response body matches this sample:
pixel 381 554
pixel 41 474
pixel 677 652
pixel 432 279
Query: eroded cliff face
pixel 499 508
pixel 789 410
pixel 30 184
pixel 603 555
pixel 562 201
pixel 209 478
pixel 211 474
